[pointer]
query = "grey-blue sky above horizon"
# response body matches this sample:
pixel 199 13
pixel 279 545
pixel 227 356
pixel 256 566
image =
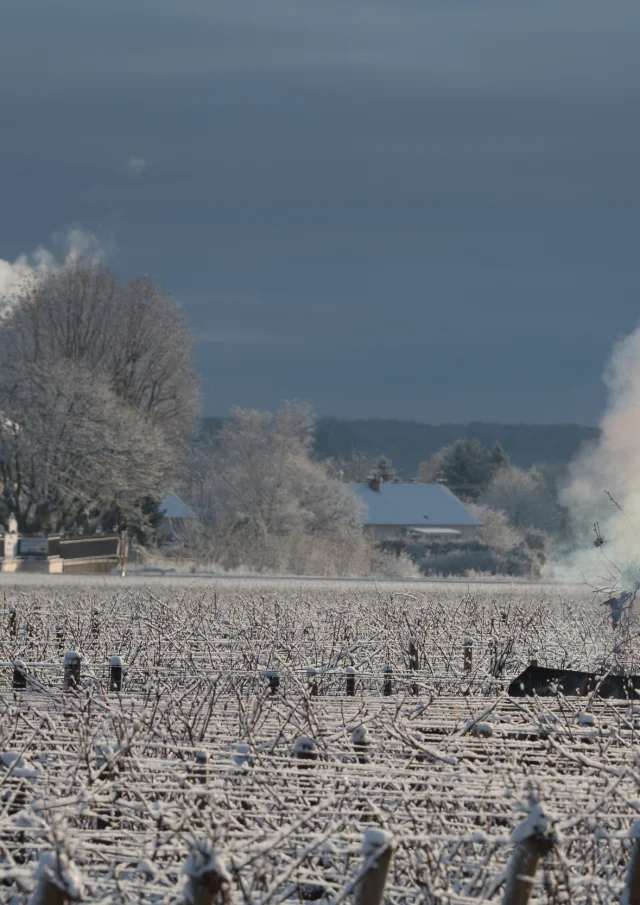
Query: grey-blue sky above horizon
pixel 421 210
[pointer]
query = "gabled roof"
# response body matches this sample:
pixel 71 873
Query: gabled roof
pixel 173 507
pixel 412 505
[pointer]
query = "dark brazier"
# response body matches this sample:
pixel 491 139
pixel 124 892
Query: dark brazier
pixel 538 680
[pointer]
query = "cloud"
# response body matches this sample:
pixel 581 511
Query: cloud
pixel 29 268
pixel 136 166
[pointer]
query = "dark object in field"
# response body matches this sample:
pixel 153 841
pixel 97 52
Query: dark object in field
pixel 19 675
pixel 387 684
pixel 274 680
pixel 351 681
pixel 72 666
pixel 538 680
pixel 115 674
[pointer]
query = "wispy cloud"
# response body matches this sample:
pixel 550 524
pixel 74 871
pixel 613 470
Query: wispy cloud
pixel 136 166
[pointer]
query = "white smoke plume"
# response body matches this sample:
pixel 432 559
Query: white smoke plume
pixel 603 494
pixel 18 275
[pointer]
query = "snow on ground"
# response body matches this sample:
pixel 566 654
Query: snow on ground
pixel 238 744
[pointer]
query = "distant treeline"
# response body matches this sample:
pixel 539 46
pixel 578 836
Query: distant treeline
pixel 407 443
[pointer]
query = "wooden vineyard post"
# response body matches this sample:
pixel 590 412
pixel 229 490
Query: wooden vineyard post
pixel 94 626
pixel 115 674
pixel 13 621
pixel 351 682
pixel 361 741
pixel 387 685
pixel 312 681
pixel 631 894
pixel 60 637
pixel 58 880
pixel 208 882
pixel 201 767
pixel 414 662
pixel 72 665
pixel 377 849
pixel 534 838
pixel 305 750
pixel 467 655
pixel 19 676
pixel 274 680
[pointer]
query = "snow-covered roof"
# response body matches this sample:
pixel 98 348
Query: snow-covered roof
pixel 412 505
pixel 173 507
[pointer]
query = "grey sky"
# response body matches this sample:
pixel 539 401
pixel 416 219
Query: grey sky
pixel 412 209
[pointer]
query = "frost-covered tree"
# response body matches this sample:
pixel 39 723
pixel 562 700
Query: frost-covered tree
pixel 496 531
pixel 466 467
pixel 256 482
pixel 384 470
pixel 527 497
pixel 268 505
pixel 97 392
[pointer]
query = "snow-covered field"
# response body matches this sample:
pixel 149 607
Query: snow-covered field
pixel 235 724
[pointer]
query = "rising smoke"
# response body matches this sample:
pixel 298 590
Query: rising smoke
pixel 29 268
pixel 604 485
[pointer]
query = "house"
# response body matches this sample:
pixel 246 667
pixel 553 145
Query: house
pixel 388 509
pixel 174 508
pixel 177 517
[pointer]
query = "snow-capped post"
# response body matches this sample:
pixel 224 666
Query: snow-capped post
pixel 631 894
pixel 377 849
pixel 94 626
pixel 58 880
pixel 208 882
pixel 361 741
pixel 13 621
pixel 60 637
pixel 115 674
pixel 387 684
pixel 467 655
pixel 305 750
pixel 274 679
pixel 351 682
pixel 312 681
pixel 19 675
pixel 534 838
pixel 72 663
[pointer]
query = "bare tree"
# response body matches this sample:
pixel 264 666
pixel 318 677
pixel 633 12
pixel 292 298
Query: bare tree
pixel 97 392
pixel 266 502
pixel 495 531
pixel 528 500
pixel 132 333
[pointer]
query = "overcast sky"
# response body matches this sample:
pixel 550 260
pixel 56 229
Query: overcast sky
pixel 421 209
